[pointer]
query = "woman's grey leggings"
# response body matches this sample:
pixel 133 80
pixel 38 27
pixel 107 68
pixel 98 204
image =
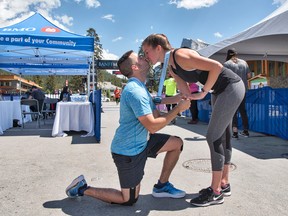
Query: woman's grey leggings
pixel 218 136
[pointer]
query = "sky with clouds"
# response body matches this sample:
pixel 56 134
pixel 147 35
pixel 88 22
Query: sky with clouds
pixel 123 24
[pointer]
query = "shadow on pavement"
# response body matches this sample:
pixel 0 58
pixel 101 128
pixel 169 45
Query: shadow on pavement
pixel 263 147
pixel 258 145
pixel 41 132
pixel 45 131
pixel 146 204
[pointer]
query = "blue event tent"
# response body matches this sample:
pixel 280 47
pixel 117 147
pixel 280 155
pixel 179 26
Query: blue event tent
pixel 35 46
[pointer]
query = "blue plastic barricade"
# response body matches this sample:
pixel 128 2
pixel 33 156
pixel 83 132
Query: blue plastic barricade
pixel 267 111
pixel 97 106
pixel 204 108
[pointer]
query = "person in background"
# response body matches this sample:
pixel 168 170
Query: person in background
pixel 65 94
pixel 139 121
pixel 37 94
pixel 194 88
pixel 228 91
pixel 170 91
pixel 241 68
pixel 117 94
pixel 26 94
pixel 261 85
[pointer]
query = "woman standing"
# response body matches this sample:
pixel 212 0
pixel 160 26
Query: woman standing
pixel 65 94
pixel 228 91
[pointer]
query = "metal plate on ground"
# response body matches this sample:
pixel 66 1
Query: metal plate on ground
pixel 202 165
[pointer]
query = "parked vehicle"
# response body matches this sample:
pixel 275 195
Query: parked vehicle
pixel 104 98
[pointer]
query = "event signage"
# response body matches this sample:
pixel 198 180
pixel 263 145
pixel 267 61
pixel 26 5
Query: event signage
pixel 47 29
pixel 106 64
pixel 36 31
pixel 29 29
pixel 19 40
pixel 50 30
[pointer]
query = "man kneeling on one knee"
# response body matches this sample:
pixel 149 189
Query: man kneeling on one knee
pixel 130 147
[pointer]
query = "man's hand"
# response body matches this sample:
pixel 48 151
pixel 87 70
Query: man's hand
pixel 183 105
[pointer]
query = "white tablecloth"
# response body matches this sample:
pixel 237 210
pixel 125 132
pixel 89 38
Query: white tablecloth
pixel 10 110
pixel 27 118
pixel 73 116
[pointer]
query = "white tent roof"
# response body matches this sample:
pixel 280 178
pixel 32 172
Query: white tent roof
pixel 267 40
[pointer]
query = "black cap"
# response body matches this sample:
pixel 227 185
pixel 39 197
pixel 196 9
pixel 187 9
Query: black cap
pixel 231 52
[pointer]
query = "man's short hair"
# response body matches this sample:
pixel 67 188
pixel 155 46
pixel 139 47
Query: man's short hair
pixel 124 64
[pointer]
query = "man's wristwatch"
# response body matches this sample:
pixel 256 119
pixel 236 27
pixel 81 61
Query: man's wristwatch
pixel 157 100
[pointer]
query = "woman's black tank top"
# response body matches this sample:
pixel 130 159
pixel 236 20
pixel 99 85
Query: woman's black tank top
pixel 225 77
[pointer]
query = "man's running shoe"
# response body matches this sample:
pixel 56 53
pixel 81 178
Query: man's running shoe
pixel 167 191
pixel 207 197
pixel 244 133
pixel 75 189
pixel 226 190
pixel 235 135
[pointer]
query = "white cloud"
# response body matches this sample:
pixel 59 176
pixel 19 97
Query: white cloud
pixel 16 10
pixel 92 3
pixel 218 35
pixel 108 17
pixel 151 27
pixel 89 3
pixel 117 39
pixel 65 19
pixel 109 56
pixel 138 40
pixel 279 2
pixel 193 4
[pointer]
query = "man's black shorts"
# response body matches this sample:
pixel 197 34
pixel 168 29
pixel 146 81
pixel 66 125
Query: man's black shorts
pixel 131 168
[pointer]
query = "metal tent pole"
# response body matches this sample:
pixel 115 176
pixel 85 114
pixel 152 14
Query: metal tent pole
pixel 20 84
pixel 93 78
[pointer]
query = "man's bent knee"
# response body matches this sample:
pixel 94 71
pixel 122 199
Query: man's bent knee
pixel 181 143
pixel 132 198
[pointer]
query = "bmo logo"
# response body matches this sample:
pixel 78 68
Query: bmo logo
pixel 29 29
pixel 50 30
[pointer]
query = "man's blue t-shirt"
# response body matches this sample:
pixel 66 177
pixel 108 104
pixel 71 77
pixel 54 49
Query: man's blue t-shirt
pixel 131 136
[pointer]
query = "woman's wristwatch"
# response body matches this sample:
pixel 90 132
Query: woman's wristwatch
pixel 203 90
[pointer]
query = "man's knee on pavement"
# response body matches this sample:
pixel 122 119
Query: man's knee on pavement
pixel 132 198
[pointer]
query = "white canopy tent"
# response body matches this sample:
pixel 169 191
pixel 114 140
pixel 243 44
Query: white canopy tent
pixel 266 40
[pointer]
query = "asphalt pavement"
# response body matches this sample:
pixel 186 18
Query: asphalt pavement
pixel 36 168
